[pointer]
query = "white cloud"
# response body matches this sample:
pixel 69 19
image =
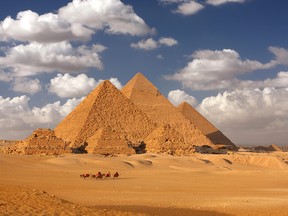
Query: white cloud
pixel 34 58
pixel 189 8
pixel 148 44
pixel 25 85
pixel 4 76
pixel 151 44
pixel 30 26
pixel 112 16
pixel 18 120
pixel 176 97
pixel 220 2
pixel 168 41
pixel 250 116
pixel 281 54
pixel 76 21
pixel 51 114
pixel 217 69
pixel 280 81
pixel 67 86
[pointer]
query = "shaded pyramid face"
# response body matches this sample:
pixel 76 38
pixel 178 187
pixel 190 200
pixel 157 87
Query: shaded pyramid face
pixel 148 98
pixel 216 136
pixel 105 107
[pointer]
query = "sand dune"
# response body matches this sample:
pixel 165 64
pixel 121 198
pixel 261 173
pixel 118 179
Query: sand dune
pixel 149 184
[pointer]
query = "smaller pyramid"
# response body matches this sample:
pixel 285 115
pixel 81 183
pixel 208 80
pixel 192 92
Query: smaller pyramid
pixel 215 135
pixel 274 147
pixel 41 141
pixel 109 142
pixel 165 139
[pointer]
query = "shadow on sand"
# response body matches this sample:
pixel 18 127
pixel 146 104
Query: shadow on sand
pixel 162 211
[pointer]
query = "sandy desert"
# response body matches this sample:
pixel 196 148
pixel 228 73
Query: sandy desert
pixel 149 184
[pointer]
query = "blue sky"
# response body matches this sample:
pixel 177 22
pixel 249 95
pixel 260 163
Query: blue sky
pixel 227 58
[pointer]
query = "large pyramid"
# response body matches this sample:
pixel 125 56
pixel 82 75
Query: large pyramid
pixel 105 114
pixel 215 135
pixel 148 98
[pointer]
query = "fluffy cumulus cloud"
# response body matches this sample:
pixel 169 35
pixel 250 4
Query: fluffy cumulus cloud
pixel 281 54
pixel 219 69
pixel 168 41
pixel 34 58
pixel 148 44
pixel 25 85
pixel 111 15
pixel 176 97
pixel 78 20
pixel 220 2
pixel 189 8
pixel 280 81
pixel 151 44
pixel 18 120
pixel 250 116
pixel 30 26
pixel 67 86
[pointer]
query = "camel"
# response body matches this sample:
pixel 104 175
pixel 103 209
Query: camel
pixel 108 175
pixel 99 175
pixel 84 175
pixel 116 175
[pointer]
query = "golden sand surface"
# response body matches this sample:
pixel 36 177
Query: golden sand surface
pixel 149 184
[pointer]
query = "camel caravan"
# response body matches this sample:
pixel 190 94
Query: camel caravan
pixel 100 175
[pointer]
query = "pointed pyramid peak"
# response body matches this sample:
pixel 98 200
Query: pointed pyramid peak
pixel 106 83
pixel 141 83
pixel 183 105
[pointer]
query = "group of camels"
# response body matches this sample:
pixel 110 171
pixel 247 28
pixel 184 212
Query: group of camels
pixel 100 175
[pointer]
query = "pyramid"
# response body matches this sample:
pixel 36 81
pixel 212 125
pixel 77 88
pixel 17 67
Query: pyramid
pixel 274 147
pixel 41 141
pixel 105 107
pixel 215 135
pixel 148 98
pixel 108 141
pixel 165 139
